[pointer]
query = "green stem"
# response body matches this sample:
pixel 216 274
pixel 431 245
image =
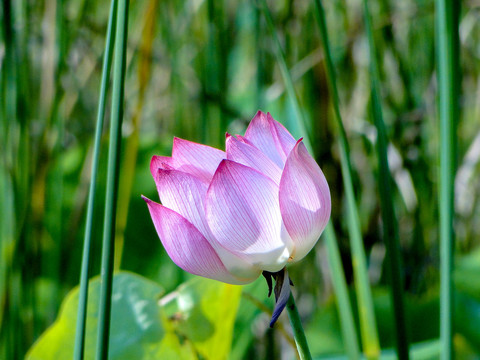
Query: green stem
pixel 362 287
pixel 259 54
pixel 287 78
pixel 348 327
pixel 447 12
pixel 339 283
pixel 79 351
pixel 8 119
pixel 389 221
pixel 112 179
pixel 298 333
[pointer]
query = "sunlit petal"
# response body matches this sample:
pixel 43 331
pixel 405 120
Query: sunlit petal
pixel 304 200
pixel 186 246
pixel 270 137
pixel 243 152
pixel 196 159
pixel 243 213
pixel 184 194
pixel 284 140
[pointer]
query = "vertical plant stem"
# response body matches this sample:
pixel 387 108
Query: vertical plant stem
pixel 7 198
pixel 349 331
pixel 131 145
pixel 362 286
pixel 171 39
pixel 16 283
pixel 298 333
pixel 447 12
pixel 287 78
pixel 112 179
pixel 348 327
pixel 212 114
pixel 217 56
pixel 389 221
pixel 83 297
pixel 9 86
pixel 259 54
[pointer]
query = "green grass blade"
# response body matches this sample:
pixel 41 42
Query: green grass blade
pixel 339 283
pixel 447 13
pixel 389 221
pixel 366 313
pixel 7 199
pixel 287 78
pixel 14 187
pixel 133 141
pixel 216 60
pixel 7 236
pixel 83 296
pixel 112 179
pixel 259 54
pixel 340 286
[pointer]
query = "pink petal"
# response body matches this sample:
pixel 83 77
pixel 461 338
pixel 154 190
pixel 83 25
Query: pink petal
pixel 196 159
pixel 159 162
pixel 304 200
pixel 186 246
pixel 185 194
pixel 243 213
pixel 285 139
pixel 270 137
pixel 242 151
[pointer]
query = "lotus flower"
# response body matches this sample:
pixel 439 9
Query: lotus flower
pixel 231 215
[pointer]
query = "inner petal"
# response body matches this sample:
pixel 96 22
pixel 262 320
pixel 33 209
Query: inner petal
pixel 243 213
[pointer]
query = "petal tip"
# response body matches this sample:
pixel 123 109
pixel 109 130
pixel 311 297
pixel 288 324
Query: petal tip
pixel 225 162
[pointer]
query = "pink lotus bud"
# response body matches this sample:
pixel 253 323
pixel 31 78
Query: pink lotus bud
pixel 231 215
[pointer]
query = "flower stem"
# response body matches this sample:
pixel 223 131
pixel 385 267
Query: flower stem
pixel 298 333
pixel 447 68
pixel 79 349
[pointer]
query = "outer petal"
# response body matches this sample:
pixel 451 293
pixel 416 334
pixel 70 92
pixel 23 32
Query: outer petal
pixel 159 162
pixel 185 194
pixel 187 247
pixel 304 200
pixel 243 152
pixel 270 137
pixel 285 139
pixel 243 213
pixel 196 159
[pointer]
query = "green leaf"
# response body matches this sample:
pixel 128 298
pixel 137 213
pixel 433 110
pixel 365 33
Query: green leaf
pixel 204 312
pixel 136 331
pixel 196 319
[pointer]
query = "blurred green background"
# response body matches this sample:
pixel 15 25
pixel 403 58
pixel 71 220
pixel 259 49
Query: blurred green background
pixel 196 69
